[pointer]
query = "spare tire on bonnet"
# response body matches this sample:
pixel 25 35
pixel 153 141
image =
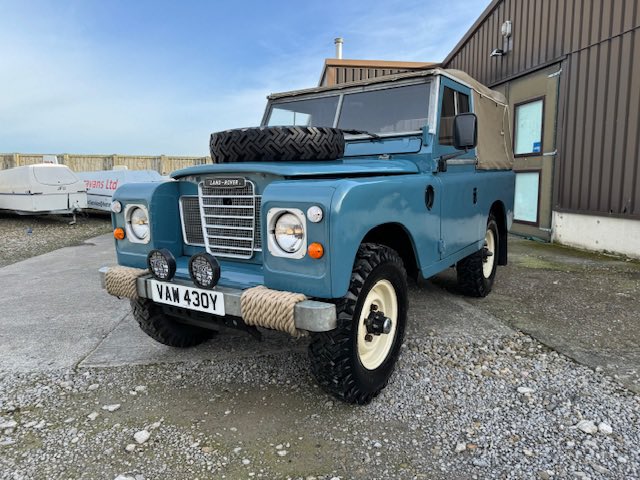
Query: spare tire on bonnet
pixel 277 144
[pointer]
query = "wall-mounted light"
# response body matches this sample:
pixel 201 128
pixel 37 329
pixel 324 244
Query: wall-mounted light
pixel 497 52
pixel 505 29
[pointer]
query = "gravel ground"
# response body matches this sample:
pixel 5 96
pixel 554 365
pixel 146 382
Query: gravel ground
pixel 27 236
pixel 471 397
pixel 505 407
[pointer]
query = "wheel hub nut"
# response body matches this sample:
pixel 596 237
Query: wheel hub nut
pixel 377 323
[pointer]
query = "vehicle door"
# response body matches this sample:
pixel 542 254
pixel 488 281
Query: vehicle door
pixel 460 212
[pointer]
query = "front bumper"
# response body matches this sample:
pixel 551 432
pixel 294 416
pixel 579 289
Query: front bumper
pixel 309 315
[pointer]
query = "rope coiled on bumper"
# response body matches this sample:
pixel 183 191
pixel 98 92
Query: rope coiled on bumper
pixel 122 281
pixel 262 307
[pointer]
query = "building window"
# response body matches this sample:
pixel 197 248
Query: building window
pixel 452 103
pixel 528 127
pixel 525 208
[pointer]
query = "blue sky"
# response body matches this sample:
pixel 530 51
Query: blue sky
pixel 157 77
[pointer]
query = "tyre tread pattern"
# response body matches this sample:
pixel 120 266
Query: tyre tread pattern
pixel 471 276
pixel 330 352
pixel 165 329
pixel 470 270
pixel 276 144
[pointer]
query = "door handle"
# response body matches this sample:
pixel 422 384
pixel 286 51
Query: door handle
pixel 429 197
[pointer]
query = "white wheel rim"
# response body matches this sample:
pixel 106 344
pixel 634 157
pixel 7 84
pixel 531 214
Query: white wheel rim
pixel 490 245
pixel 374 349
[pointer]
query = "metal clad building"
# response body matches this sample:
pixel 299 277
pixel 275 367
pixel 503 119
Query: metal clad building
pixel 338 70
pixel 571 72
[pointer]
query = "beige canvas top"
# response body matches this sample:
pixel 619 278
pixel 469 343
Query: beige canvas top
pixel 494 149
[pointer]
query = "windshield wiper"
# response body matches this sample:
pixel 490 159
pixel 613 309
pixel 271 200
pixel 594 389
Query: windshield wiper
pixel 362 132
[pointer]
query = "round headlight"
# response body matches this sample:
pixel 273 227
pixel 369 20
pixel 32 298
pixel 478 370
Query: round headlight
pixel 204 270
pixel 139 223
pixel 162 264
pixel 289 232
pixel 116 206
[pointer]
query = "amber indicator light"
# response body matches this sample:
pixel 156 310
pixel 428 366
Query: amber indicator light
pixel 316 250
pixel 118 233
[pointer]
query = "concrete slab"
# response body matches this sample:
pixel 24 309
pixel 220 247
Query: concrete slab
pixel 126 344
pixel 52 312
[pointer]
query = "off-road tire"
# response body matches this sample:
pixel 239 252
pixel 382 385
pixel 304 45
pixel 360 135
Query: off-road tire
pixel 277 144
pixel 335 361
pixel 165 329
pixel 472 280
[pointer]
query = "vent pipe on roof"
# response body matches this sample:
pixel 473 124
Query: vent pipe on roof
pixel 338 41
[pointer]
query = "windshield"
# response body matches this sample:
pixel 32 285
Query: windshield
pixel 390 110
pixel 316 112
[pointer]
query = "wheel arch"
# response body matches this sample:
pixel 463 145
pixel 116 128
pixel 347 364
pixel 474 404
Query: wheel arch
pixel 396 236
pixel 499 212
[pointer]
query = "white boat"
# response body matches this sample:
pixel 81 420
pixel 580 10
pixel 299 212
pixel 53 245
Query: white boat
pixel 102 183
pixel 41 189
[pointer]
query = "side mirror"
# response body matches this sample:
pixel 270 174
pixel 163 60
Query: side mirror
pixel 465 131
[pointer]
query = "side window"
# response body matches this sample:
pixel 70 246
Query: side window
pixel 447 115
pixel 528 127
pixel 452 103
pixel 463 103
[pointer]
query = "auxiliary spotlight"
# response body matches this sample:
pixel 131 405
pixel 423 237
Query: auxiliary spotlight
pixel 204 270
pixel 162 264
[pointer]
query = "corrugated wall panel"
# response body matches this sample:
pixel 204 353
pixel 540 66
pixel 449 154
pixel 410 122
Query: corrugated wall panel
pixel 567 25
pixel 628 18
pixel 531 30
pixel 543 38
pixel 595 28
pixel 622 121
pixel 628 198
pixel 356 74
pixel 618 20
pixel 519 36
pixel 634 128
pixel 561 6
pixel 599 160
pixel 599 165
pixel 589 99
pixel 610 115
pixel 599 116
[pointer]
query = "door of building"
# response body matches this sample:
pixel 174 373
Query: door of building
pixel 533 102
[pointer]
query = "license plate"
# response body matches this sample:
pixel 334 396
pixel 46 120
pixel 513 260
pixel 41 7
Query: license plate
pixel 208 301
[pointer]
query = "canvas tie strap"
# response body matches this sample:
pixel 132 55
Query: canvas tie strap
pixel 122 281
pixel 262 307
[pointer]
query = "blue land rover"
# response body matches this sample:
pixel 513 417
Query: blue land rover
pixel 312 222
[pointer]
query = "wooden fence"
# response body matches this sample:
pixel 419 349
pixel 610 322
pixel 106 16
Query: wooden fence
pixel 163 164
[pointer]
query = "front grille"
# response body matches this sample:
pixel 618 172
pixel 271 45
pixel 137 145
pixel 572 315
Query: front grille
pixel 231 220
pixel 191 224
pixel 257 231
